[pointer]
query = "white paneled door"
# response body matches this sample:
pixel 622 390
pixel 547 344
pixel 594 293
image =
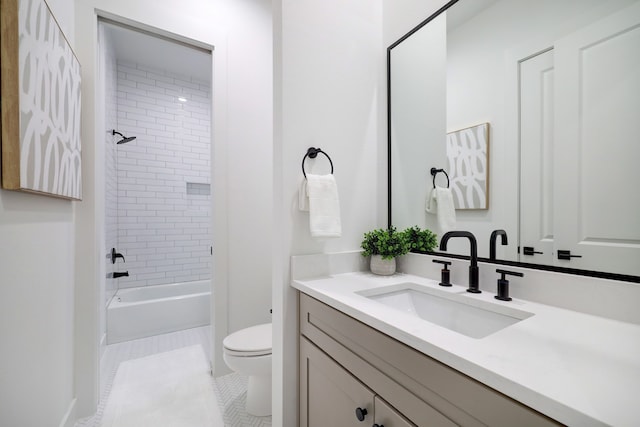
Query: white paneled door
pixel 536 159
pixel 597 145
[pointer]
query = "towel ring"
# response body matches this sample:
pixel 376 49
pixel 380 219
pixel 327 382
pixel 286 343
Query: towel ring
pixel 434 172
pixel 312 153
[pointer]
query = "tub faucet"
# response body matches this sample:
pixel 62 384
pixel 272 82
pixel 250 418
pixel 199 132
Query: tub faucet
pixel 492 242
pixel 473 267
pixel 117 274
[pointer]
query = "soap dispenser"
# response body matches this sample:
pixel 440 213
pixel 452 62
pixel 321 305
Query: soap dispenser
pixel 503 284
pixel 444 273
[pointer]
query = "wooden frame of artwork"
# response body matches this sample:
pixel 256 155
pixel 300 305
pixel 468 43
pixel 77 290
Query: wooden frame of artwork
pixel 40 91
pixel 468 161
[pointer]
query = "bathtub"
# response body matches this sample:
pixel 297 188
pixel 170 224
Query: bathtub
pixel 151 310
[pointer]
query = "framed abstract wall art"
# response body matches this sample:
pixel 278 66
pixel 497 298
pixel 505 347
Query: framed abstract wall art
pixel 40 91
pixel 468 160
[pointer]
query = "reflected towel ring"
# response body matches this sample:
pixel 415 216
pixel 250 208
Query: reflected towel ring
pixel 434 172
pixel 312 153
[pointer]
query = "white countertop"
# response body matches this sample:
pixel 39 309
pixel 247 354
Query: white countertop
pixel 576 368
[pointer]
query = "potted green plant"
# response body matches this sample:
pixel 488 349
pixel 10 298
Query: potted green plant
pixel 421 240
pixel 384 246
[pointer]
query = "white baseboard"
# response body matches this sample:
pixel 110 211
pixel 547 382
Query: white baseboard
pixel 69 418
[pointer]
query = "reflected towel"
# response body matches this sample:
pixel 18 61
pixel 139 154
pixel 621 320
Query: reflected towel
pixel 440 203
pixel 303 197
pixel 324 206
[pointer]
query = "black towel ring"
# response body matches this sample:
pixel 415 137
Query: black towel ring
pixel 312 153
pixel 434 172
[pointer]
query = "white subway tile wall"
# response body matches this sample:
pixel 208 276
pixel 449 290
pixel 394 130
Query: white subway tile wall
pixel 164 230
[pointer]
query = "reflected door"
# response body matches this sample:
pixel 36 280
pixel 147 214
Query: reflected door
pixel 597 202
pixel 536 159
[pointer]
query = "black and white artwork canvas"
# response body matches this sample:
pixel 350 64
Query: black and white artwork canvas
pixel 468 160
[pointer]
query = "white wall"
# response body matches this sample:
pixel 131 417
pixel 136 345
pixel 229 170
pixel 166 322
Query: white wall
pixel 36 308
pixel 248 26
pixel 329 89
pixel 401 16
pixel 240 31
pixel 418 100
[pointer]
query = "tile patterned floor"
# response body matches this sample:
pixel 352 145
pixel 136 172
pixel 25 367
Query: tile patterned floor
pixel 230 389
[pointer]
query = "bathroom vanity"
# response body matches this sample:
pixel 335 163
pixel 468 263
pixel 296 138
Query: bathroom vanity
pixel 365 356
pixel 347 368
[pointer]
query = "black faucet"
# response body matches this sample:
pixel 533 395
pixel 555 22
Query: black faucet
pixel 492 242
pixel 117 274
pixel 473 268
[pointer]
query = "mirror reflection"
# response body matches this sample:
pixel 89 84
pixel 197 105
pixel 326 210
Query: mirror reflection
pixel 558 84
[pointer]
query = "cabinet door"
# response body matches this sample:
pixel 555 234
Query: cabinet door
pixel 329 395
pixel 386 416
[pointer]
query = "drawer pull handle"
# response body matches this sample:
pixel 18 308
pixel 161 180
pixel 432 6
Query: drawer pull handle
pixel 377 425
pixel 361 413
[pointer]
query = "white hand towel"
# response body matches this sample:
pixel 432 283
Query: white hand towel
pixel 440 203
pixel 303 197
pixel 324 206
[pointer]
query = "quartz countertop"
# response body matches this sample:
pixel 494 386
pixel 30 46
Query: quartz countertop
pixel 579 369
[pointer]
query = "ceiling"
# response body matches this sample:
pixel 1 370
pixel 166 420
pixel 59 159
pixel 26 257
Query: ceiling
pixel 159 52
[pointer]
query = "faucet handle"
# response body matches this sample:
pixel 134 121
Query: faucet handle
pixel 503 284
pixel 115 255
pixel 445 277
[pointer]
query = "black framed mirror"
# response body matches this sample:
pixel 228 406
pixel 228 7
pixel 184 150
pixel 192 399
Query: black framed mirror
pixel 558 83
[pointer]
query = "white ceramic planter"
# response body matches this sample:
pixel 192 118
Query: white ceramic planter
pixel 383 267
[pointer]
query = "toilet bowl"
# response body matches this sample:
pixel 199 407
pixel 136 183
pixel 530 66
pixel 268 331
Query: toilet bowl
pixel 248 352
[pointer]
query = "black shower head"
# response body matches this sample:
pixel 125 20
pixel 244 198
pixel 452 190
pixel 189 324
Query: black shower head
pixel 124 139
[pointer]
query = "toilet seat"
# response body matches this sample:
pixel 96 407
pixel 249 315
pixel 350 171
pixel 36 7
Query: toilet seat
pixel 252 341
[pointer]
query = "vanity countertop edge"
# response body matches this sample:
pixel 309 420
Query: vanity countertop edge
pixel 576 368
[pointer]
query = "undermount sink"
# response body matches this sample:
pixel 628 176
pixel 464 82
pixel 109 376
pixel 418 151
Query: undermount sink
pixel 471 317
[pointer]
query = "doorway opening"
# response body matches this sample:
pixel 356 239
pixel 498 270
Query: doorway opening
pixel 157 97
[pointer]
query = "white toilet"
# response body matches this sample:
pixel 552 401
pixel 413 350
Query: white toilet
pixel 248 352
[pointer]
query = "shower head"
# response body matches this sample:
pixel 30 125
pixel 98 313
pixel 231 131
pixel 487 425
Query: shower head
pixel 124 139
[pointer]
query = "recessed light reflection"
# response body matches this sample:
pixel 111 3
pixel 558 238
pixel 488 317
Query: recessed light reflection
pixel 182 99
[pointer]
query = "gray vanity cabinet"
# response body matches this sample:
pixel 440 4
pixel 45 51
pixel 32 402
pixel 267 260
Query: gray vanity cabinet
pixel 345 365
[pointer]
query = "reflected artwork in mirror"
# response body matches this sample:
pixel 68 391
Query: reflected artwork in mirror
pixel 559 83
pixel 468 161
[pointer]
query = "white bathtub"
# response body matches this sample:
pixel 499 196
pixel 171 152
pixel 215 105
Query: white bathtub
pixel 152 310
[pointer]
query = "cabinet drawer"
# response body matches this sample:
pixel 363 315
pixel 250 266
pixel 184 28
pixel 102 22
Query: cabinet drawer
pixel 394 366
